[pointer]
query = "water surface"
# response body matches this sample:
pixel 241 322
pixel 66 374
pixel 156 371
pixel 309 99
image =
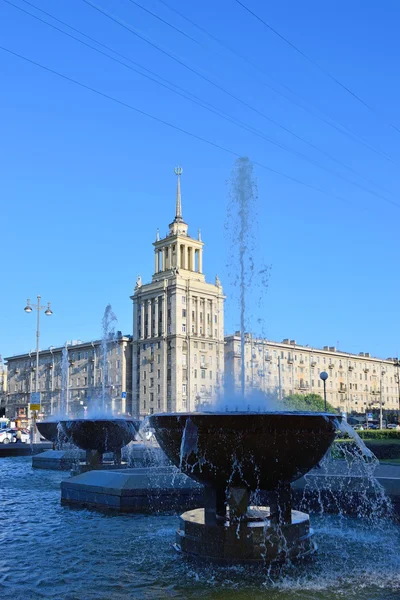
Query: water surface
pixel 54 552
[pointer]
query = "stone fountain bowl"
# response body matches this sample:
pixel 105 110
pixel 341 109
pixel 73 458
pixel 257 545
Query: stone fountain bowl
pixel 50 431
pixel 251 450
pixel 103 435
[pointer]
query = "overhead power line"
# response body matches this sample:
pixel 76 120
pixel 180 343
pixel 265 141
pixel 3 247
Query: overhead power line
pixel 187 96
pixel 171 125
pixel 244 103
pixel 316 64
pixel 340 127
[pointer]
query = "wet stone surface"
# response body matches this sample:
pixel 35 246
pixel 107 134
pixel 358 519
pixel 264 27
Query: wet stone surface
pixel 53 552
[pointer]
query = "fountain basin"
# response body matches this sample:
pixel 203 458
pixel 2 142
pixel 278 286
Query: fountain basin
pixel 50 431
pixel 100 435
pixel 256 451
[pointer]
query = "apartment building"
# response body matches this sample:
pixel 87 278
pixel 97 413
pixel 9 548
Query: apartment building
pixel 356 382
pixel 178 326
pixel 85 364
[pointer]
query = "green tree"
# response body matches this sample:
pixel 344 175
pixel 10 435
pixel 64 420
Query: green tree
pixel 307 402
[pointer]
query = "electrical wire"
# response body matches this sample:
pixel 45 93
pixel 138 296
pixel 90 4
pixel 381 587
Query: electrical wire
pixel 316 64
pixel 154 45
pixel 343 129
pixel 195 99
pixel 170 125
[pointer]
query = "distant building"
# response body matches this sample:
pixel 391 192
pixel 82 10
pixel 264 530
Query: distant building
pixel 356 382
pixel 178 327
pixel 85 376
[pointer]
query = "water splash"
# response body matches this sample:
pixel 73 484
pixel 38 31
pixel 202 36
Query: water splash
pixel 240 224
pixel 107 342
pixel 64 398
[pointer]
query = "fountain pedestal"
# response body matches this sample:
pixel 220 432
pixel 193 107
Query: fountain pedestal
pixel 229 530
pixel 254 538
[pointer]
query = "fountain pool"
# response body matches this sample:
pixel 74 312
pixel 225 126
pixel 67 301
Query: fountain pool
pixel 56 553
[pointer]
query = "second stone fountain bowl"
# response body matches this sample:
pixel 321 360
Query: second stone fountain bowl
pixel 101 435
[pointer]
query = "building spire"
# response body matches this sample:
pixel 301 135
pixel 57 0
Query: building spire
pixel 178 211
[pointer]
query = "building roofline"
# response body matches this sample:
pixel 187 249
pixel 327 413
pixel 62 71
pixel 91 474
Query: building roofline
pixel 52 350
pixel 288 345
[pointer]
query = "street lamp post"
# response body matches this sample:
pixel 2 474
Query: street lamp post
pixel 324 376
pixel 48 312
pixel 381 402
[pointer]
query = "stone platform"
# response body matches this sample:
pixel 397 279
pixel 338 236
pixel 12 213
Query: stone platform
pixel 20 449
pixel 70 458
pixel 335 488
pixel 146 490
pixel 253 539
pixel 57 460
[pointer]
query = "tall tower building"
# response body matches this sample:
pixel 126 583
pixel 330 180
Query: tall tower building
pixel 178 326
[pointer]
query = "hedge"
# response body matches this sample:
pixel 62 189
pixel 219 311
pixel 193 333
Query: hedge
pixel 381 449
pixel 379 434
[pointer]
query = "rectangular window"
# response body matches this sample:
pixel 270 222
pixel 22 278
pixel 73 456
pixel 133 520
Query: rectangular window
pixel 203 345
pixel 203 374
pixel 184 389
pixel 158 358
pixel 195 373
pixel 183 327
pixel 151 397
pixel 151 381
pixel 144 374
pixel 158 374
pixel 210 374
pixel 144 389
pixel 196 345
pixel 183 299
pixel 184 312
pixel 210 346
pixel 184 359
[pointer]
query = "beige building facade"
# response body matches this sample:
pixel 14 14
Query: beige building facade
pixel 178 327
pixel 356 382
pixel 85 377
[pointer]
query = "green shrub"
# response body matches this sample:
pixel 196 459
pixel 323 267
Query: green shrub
pixel 307 402
pixel 381 449
pixel 379 434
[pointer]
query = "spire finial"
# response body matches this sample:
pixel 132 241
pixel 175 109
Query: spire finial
pixel 157 235
pixel 199 235
pixel 178 211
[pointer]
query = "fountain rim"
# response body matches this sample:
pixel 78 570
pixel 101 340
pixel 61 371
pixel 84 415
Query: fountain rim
pixel 97 420
pixel 249 413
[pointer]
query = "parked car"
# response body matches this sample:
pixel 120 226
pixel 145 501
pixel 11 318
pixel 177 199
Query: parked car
pixel 358 428
pixel 24 435
pixel 6 437
pixel 393 426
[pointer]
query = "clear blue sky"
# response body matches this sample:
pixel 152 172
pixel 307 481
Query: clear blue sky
pixel 85 182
